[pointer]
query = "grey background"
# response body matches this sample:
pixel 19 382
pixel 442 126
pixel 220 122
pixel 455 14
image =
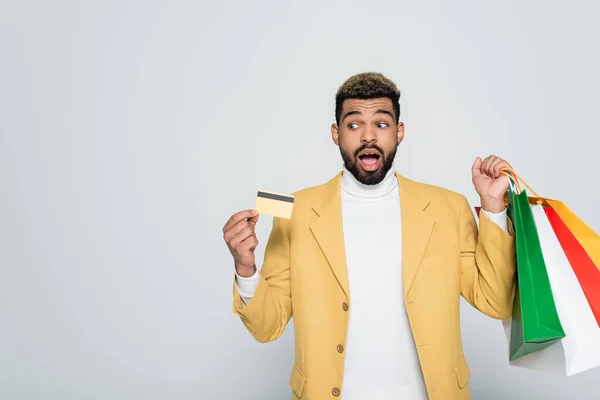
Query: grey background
pixel 130 131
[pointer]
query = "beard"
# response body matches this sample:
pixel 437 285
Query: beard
pixel 368 177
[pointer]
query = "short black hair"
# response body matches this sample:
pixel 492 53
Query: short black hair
pixel 364 86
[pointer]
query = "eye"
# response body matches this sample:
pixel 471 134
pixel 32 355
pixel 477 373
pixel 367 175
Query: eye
pixel 353 125
pixel 382 125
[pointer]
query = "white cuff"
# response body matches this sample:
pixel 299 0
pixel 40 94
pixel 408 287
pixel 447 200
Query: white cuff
pixel 247 286
pixel 498 218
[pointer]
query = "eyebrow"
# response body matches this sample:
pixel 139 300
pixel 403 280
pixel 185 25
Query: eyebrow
pixel 349 113
pixel 385 112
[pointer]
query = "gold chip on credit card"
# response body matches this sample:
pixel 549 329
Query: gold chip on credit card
pixel 275 204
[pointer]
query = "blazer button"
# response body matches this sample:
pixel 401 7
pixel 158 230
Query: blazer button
pixel 335 392
pixel 345 306
pixel 340 348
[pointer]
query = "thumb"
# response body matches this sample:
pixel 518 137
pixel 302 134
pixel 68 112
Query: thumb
pixel 477 166
pixel 254 219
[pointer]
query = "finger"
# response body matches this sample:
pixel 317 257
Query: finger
pixel 236 229
pixel 247 246
pixel 498 165
pixel 486 168
pixel 251 242
pixel 486 162
pixel 241 236
pixel 492 166
pixel 253 220
pixel 237 217
pixel 477 165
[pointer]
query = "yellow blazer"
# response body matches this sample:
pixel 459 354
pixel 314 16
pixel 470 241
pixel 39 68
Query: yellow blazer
pixel 444 256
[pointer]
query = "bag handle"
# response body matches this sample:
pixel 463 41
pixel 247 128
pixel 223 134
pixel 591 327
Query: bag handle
pixel 515 178
pixel 518 178
pixel 514 183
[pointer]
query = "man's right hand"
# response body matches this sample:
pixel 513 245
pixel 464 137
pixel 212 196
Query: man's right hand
pixel 241 239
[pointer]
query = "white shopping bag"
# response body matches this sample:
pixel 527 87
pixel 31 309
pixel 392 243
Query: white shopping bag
pixel 579 350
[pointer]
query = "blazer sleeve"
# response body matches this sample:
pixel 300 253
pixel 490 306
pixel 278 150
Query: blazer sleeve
pixel 488 268
pixel 270 309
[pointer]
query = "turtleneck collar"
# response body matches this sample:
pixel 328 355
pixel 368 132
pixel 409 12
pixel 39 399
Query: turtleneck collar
pixel 355 188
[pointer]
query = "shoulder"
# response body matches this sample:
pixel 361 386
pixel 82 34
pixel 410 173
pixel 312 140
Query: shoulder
pixel 307 194
pixel 304 200
pixel 434 193
pixel 307 198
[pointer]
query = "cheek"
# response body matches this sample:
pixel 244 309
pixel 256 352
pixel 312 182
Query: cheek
pixel 349 150
pixel 348 143
pixel 388 142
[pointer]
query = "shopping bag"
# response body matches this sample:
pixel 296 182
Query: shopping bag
pixel 583 266
pixel 535 323
pixel 581 261
pixel 589 240
pixel 579 350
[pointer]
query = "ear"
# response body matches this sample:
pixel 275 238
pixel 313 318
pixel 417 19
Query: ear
pixel 335 134
pixel 400 132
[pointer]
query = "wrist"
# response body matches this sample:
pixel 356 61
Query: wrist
pixel 493 205
pixel 245 271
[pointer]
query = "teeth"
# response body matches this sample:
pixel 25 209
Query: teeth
pixel 368 154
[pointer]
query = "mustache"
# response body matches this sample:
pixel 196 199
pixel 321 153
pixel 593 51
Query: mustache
pixel 370 147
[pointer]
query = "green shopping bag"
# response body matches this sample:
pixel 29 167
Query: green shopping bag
pixel 535 323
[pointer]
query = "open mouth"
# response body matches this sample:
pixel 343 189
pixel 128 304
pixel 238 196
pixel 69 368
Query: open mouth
pixel 369 159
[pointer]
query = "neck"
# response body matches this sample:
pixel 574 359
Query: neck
pixel 355 188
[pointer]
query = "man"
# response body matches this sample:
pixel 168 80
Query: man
pixel 372 265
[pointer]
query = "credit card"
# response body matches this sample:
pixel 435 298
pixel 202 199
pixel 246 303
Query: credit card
pixel 274 204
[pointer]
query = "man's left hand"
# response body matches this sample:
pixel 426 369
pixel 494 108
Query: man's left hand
pixel 490 183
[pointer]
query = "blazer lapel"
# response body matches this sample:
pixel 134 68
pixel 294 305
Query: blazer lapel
pixel 416 229
pixel 327 230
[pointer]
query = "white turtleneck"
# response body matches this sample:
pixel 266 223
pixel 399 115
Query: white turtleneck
pixel 381 360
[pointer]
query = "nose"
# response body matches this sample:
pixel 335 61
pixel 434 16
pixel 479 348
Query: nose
pixel 368 135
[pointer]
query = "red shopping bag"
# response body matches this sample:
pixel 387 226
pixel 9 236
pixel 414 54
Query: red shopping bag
pixel 586 271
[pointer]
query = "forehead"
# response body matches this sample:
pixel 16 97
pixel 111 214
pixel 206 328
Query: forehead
pixel 368 106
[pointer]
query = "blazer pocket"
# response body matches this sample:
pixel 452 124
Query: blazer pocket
pixel 462 371
pixel 441 257
pixel 297 381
